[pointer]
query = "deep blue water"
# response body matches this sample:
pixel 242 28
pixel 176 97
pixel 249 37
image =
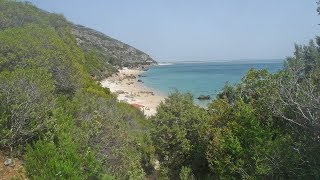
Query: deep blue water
pixel 201 78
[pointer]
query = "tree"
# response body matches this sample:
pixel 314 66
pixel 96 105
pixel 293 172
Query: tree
pixel 240 143
pixel 176 132
pixel 298 97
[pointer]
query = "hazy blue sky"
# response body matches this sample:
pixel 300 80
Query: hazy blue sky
pixel 176 30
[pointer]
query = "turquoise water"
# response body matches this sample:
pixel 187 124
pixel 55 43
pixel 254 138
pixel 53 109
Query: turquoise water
pixel 201 78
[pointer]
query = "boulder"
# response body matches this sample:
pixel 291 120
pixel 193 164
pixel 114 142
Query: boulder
pixel 204 97
pixel 131 76
pixel 120 92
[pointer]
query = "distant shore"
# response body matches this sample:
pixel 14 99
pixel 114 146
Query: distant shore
pixel 125 84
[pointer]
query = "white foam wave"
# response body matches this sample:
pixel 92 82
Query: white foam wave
pixel 165 64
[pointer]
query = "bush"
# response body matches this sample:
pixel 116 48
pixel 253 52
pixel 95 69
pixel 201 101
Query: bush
pixel 62 153
pixel 177 131
pixel 26 101
pixel 186 174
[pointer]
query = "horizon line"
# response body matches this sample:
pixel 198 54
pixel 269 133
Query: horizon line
pixel 221 60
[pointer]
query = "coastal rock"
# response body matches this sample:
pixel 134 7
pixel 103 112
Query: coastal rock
pixel 120 92
pixel 203 97
pixel 139 80
pixel 147 92
pixel 131 76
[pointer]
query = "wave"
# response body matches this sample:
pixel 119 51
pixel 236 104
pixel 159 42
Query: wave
pixel 201 62
pixel 165 64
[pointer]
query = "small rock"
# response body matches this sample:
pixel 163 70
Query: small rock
pixel 9 162
pixel 120 92
pixel 203 97
pixel 156 165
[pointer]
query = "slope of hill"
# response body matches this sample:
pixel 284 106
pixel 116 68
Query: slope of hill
pixel 103 54
pixel 53 114
pixel 120 54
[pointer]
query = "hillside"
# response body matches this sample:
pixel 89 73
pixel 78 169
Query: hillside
pixel 103 54
pixel 54 115
pixel 120 53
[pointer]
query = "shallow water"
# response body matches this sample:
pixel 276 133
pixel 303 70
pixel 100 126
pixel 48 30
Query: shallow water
pixel 205 78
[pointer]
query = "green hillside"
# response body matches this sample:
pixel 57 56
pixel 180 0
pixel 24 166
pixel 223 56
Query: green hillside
pixel 52 113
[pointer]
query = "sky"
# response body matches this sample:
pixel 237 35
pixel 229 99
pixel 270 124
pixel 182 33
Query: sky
pixel 202 30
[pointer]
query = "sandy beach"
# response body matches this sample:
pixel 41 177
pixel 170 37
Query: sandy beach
pixel 125 84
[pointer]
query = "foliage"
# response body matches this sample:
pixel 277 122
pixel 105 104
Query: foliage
pixel 109 50
pixel 298 97
pixel 176 134
pixel 68 126
pixel 264 127
pixel 57 155
pixel 122 147
pixel 318 9
pixel 26 97
pixel 240 144
pixel 97 65
pixel 186 174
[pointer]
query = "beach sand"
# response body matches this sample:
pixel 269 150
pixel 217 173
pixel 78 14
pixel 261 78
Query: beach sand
pixel 125 84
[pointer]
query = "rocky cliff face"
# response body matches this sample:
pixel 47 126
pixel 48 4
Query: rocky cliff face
pixel 118 53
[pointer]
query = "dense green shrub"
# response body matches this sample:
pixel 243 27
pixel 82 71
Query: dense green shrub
pixel 33 46
pixel 177 134
pixel 122 141
pixel 97 65
pixel 62 153
pixel 27 98
pixel 267 126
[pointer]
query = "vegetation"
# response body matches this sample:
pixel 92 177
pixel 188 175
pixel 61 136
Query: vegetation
pixel 264 127
pixel 105 55
pixel 267 126
pixel 55 116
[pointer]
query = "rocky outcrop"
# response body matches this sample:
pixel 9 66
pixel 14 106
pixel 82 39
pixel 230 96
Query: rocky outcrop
pixel 117 53
pixel 203 97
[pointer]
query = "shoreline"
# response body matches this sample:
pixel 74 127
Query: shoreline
pixel 127 88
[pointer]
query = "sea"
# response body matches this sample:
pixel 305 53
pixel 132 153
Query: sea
pixel 202 78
